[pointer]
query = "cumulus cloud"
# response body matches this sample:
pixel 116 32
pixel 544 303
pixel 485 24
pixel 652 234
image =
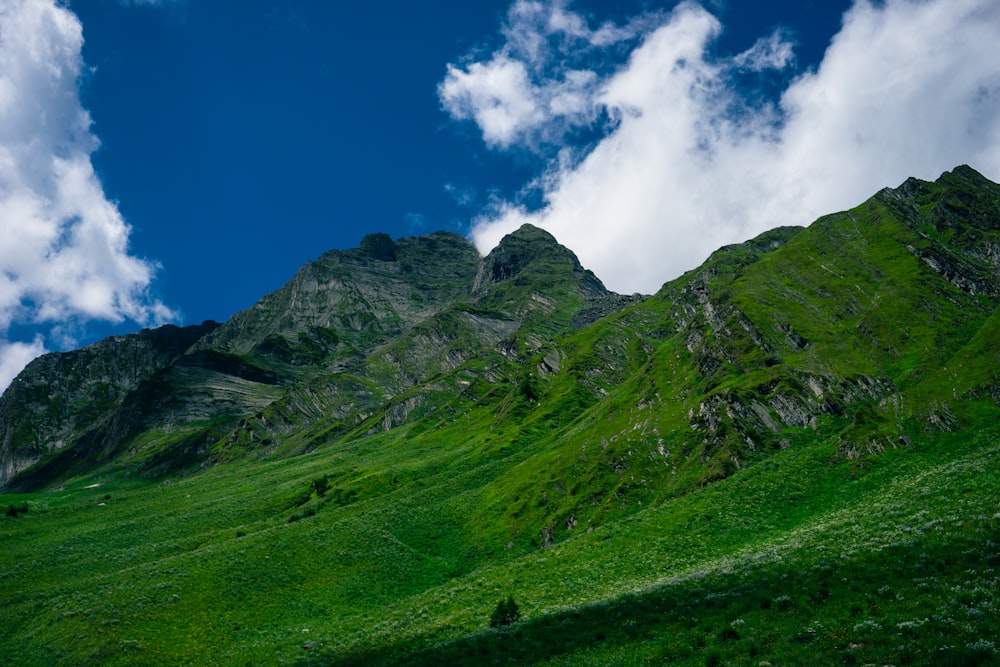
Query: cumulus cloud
pixel 497 95
pixel 539 85
pixel 64 255
pixel 690 160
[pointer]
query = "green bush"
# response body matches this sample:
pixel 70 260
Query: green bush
pixel 506 613
pixel 321 485
pixel 13 511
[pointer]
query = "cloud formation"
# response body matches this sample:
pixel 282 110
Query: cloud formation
pixel 690 160
pixel 541 83
pixel 64 256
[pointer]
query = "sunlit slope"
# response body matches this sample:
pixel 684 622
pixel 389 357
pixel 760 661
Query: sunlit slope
pixel 867 329
pixel 811 551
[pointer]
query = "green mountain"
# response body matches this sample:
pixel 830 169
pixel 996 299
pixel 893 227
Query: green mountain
pixel 786 456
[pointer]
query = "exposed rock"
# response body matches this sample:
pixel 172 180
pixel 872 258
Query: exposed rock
pixel 60 397
pixel 379 246
pixel 533 248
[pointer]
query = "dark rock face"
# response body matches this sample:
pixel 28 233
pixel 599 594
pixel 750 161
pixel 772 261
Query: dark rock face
pixel 958 219
pixel 535 249
pixel 61 396
pixel 515 252
pixel 379 246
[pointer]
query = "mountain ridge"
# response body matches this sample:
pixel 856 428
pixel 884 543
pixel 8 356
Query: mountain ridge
pixel 385 447
pixel 338 312
pixel 331 315
pixel 393 314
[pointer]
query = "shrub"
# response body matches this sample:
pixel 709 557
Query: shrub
pixel 321 485
pixel 506 613
pixel 14 510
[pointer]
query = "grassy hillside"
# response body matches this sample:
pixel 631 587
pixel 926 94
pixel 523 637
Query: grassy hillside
pixel 803 557
pixel 786 456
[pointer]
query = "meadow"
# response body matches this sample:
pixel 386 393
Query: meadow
pixel 806 557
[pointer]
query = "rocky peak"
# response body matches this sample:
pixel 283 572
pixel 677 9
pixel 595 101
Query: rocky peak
pixel 966 175
pixel 379 246
pixel 514 253
pixel 535 251
pixel 958 220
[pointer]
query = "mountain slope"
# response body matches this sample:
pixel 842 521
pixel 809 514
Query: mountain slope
pixel 788 454
pixel 839 332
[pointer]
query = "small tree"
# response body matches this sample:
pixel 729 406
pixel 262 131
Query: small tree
pixel 505 614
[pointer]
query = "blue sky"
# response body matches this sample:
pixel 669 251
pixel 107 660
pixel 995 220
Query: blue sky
pixel 173 161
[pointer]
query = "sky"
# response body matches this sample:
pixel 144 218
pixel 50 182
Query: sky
pixel 172 161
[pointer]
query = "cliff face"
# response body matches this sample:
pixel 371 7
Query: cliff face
pixel 850 329
pixel 61 397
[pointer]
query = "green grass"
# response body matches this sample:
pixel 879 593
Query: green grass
pixel 209 568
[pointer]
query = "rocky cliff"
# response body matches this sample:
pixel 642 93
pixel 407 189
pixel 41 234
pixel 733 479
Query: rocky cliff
pixel 61 398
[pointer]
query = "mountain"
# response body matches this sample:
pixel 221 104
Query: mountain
pixel 346 338
pixel 356 469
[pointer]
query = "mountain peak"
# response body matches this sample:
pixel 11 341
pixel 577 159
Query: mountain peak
pixel 516 250
pixel 531 249
pixel 379 246
pixel 966 174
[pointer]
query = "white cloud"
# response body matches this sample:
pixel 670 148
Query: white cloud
pixel 64 258
pixel 906 88
pixel 772 52
pixel 15 356
pixel 536 88
pixel 497 95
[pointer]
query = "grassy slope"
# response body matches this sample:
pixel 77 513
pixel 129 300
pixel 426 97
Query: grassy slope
pixel 209 568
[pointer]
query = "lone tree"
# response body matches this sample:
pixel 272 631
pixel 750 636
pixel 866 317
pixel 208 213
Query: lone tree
pixel 505 614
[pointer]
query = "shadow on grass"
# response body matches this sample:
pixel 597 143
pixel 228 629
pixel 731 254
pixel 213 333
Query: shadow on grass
pixel 801 612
